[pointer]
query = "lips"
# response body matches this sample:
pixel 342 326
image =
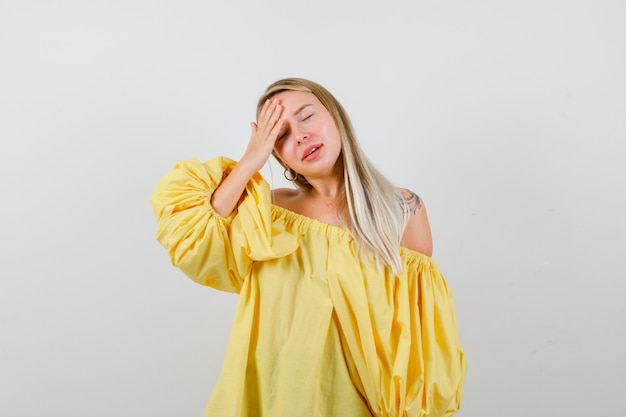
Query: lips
pixel 311 151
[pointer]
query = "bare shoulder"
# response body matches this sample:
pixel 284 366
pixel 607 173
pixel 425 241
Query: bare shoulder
pixel 417 235
pixel 413 200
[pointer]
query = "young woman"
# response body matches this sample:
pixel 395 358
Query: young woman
pixel 341 310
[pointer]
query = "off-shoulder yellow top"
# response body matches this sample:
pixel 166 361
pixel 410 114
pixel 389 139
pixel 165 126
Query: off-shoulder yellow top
pixel 316 331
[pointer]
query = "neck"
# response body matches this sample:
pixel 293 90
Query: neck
pixel 327 189
pixel 330 186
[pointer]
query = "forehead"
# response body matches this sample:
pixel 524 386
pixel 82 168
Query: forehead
pixel 295 99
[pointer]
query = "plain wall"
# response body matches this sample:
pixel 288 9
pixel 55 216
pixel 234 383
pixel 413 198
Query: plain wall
pixel 507 118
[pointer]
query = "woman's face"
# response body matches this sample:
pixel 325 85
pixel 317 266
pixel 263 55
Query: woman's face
pixel 309 141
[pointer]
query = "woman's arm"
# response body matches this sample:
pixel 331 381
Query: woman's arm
pixel 262 139
pixel 417 235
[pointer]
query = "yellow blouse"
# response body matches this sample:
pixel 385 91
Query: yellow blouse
pixel 316 331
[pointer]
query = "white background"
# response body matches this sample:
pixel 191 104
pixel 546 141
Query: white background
pixel 507 118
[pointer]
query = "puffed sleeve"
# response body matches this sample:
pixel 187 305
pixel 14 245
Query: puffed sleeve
pixel 210 249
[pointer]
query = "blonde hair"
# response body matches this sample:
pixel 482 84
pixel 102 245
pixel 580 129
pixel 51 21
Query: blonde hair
pixel 377 212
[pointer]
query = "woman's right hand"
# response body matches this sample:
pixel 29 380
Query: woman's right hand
pixel 260 147
pixel 263 136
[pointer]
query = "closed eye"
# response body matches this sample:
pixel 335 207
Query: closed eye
pixel 282 135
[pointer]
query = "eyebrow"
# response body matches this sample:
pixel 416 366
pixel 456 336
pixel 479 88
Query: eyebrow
pixel 304 106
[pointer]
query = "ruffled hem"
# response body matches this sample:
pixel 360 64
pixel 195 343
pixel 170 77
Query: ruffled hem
pixel 299 223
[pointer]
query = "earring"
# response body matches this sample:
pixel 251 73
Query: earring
pixel 294 175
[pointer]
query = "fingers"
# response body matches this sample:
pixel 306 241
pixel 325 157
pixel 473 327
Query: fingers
pixel 263 135
pixel 269 116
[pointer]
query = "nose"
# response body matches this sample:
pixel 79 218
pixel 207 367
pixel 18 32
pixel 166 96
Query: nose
pixel 301 137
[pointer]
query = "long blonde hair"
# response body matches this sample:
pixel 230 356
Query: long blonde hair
pixel 376 210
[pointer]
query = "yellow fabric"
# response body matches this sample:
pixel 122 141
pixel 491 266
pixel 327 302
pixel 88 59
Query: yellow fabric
pixel 316 331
